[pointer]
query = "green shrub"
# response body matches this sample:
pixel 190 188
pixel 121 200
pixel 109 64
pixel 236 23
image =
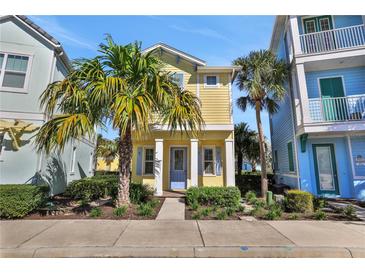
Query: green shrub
pixel 145 209
pixel 222 215
pixel 16 201
pixel 349 211
pixel 153 202
pixel 274 212
pixel 320 215
pixel 120 211
pixel 96 212
pixel 230 210
pixel 319 203
pixel 205 212
pixel 259 212
pixel 241 208
pixel 250 197
pixel 209 196
pixel 259 203
pixel 194 206
pixel 299 201
pixel 196 216
pixel 293 216
pixel 100 186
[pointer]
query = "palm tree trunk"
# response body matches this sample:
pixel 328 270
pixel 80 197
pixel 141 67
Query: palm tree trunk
pixel 264 185
pixel 253 166
pixel 125 159
pixel 239 162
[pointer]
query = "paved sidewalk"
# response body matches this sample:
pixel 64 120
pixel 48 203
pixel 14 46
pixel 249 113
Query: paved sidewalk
pixel 172 209
pixel 186 238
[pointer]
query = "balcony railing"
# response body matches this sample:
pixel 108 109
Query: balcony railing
pixel 337 109
pixel 334 39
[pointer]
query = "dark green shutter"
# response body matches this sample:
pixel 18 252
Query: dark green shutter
pixel 290 156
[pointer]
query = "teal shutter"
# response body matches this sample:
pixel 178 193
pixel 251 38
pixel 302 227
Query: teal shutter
pixel 290 156
pixel 218 161
pixel 139 161
pixel 200 162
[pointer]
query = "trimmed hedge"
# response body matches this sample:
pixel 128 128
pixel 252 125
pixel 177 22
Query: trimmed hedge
pixel 219 196
pixel 299 201
pixel 250 182
pixel 17 201
pixel 100 186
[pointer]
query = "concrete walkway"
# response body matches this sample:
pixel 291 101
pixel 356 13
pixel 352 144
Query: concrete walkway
pixel 172 209
pixel 175 238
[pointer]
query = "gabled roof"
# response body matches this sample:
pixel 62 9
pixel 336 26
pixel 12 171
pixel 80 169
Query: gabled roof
pixel 45 35
pixel 278 27
pixel 175 51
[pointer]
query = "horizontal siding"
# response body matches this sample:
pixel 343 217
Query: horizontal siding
pixel 354 79
pixel 358 149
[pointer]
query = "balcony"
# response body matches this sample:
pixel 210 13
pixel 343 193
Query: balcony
pixel 331 40
pixel 337 109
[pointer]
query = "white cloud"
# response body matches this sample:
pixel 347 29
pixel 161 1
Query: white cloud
pixel 53 27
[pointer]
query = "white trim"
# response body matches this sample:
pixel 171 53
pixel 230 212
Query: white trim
pixel 230 97
pixel 27 73
pixel 194 161
pixel 144 159
pixel 286 174
pixel 213 147
pixel 217 85
pixel 73 157
pixel 37 116
pixel 329 55
pixel 332 127
pixel 198 85
pixel 209 127
pixel 316 16
pixel 158 169
pixel 230 162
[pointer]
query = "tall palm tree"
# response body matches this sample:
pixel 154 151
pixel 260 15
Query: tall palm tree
pixel 121 85
pixel 262 79
pixel 243 137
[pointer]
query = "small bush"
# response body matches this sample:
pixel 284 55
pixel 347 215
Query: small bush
pixel 17 201
pixel 250 197
pixel 230 210
pixel 196 216
pixel 100 186
pixel 258 212
pixel 293 216
pixel 209 196
pixel 205 212
pixel 145 210
pixel 96 212
pixel 194 206
pixel 259 203
pixel 274 212
pixel 320 215
pixel 319 203
pixel 222 215
pixel 241 208
pixel 120 211
pixel 299 201
pixel 349 211
pixel 153 202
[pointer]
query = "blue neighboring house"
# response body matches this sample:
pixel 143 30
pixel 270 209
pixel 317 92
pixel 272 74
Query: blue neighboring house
pixel 318 135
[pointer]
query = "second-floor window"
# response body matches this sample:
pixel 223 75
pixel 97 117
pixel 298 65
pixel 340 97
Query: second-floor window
pixel 178 79
pixel 211 81
pixel 14 71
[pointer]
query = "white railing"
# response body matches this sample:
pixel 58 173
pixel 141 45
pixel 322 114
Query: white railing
pixel 337 109
pixel 333 39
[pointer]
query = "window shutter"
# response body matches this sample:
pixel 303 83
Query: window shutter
pixel 218 161
pixel 290 156
pixel 200 162
pixel 139 161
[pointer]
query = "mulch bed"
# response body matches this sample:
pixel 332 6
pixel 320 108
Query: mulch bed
pixel 66 208
pixel 189 215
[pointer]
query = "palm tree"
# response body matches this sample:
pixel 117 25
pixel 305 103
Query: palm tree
pixel 243 137
pixel 107 149
pixel 262 78
pixel 124 86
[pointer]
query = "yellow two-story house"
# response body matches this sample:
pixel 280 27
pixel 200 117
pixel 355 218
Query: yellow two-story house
pixel 176 161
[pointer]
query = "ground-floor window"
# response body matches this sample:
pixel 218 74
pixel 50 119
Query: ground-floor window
pixel 358 156
pixel 291 156
pixel 208 160
pixel 148 161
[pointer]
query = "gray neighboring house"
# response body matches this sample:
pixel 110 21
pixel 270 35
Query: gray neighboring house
pixel 30 59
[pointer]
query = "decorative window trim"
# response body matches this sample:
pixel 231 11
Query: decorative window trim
pixel 212 147
pixel 144 160
pixel 27 72
pixel 73 158
pixel 217 85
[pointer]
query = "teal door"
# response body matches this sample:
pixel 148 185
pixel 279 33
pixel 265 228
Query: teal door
pixel 325 169
pixel 322 41
pixel 334 108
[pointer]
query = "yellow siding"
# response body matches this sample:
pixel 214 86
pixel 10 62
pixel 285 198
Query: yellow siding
pixel 103 166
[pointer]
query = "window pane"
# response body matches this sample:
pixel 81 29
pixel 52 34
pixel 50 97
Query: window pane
pixel 311 27
pixel 1 60
pixel 149 154
pixel 208 154
pixel 14 80
pixel 211 80
pixel 17 63
pixel 179 159
pixel 178 78
pixel 208 167
pixel 148 168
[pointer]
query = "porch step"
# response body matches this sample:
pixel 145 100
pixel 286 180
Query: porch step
pixel 172 209
pixel 173 194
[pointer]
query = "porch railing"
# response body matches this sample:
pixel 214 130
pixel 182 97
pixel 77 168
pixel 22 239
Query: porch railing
pixel 337 109
pixel 334 39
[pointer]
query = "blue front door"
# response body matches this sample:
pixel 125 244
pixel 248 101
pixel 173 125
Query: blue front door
pixel 178 168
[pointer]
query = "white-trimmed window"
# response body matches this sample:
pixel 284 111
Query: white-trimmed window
pixel 148 161
pixel 211 81
pixel 209 160
pixel 14 71
pixel 178 79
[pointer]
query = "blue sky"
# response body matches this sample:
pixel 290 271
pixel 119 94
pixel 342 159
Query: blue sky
pixel 216 39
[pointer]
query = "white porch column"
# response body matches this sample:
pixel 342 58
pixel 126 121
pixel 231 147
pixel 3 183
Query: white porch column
pixel 194 162
pixel 295 34
pixel 230 180
pixel 159 166
pixel 303 93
